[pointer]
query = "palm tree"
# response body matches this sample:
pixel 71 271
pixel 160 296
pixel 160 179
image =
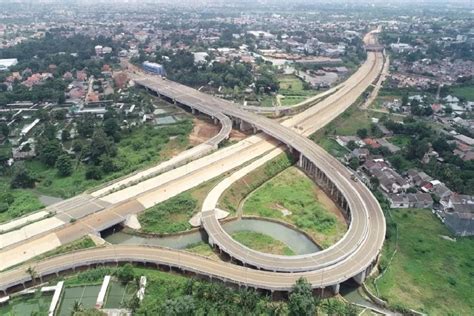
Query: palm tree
pixel 77 307
pixel 32 273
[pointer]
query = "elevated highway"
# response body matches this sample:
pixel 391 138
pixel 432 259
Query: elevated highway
pixel 352 257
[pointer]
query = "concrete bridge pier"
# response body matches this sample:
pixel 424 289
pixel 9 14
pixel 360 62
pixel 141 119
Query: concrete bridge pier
pixel 244 126
pixel 360 278
pixel 335 288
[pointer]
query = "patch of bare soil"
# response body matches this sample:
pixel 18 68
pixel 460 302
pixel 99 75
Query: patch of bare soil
pixel 202 131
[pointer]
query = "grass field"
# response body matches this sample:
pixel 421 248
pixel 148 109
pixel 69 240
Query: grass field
pixel 400 140
pixel 292 90
pixel 24 202
pixel 466 92
pixel 428 273
pixel 172 215
pixel 203 249
pixel 346 124
pixel 262 242
pixel 332 147
pixel 234 195
pixel 292 191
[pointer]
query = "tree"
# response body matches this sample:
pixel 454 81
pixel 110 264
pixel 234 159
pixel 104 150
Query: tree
pixel 4 129
pixel 416 149
pixel 111 128
pixel 301 300
pixel 64 165
pixel 180 306
pixel 65 135
pixel 107 164
pixel 93 173
pixel 31 271
pixel 125 273
pixel 374 182
pixel 22 177
pixel 85 126
pixel 5 155
pixel 49 151
pixel 362 133
pixel 354 163
pixel 100 145
pixel 49 131
pixel 405 100
pixel 77 146
pixel 77 307
pixel 351 145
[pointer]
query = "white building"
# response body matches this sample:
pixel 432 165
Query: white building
pixel 7 63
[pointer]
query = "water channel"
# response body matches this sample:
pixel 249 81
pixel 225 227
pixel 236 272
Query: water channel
pixel 294 239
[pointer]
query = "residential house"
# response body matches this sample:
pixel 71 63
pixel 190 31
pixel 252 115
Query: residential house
pixel 459 214
pixel 410 200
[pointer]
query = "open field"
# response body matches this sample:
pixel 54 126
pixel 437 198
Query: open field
pixel 172 215
pixel 466 92
pixel 24 202
pixel 332 147
pixel 292 197
pixel 292 90
pixel 428 273
pixel 261 242
pixel 346 124
pixel 203 249
pixel 232 198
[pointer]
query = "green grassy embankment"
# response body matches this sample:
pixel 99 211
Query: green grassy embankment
pixel 294 198
pixel 429 272
pixel 262 242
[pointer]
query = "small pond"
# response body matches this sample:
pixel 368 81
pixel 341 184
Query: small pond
pixel 294 239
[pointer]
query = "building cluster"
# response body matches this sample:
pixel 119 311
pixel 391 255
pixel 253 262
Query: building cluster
pixel 412 189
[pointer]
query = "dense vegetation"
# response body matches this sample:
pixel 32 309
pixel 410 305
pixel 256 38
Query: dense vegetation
pixel 170 294
pixel 180 67
pixel 67 54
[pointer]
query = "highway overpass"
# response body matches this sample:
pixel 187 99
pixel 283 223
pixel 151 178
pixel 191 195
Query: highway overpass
pixel 352 257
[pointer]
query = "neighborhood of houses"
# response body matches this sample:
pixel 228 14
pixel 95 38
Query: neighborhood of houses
pixel 413 188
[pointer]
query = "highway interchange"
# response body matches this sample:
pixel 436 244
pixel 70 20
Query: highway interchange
pixel 352 256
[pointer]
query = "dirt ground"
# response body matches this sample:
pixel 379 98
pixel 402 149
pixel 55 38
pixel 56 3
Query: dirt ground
pixel 236 135
pixel 202 131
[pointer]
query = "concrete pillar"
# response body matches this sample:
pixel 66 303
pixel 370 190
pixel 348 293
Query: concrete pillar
pixel 300 161
pixel 215 121
pixel 193 111
pixel 335 288
pixel 360 278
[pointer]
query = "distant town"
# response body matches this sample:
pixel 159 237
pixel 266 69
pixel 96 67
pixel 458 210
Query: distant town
pixel 228 158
